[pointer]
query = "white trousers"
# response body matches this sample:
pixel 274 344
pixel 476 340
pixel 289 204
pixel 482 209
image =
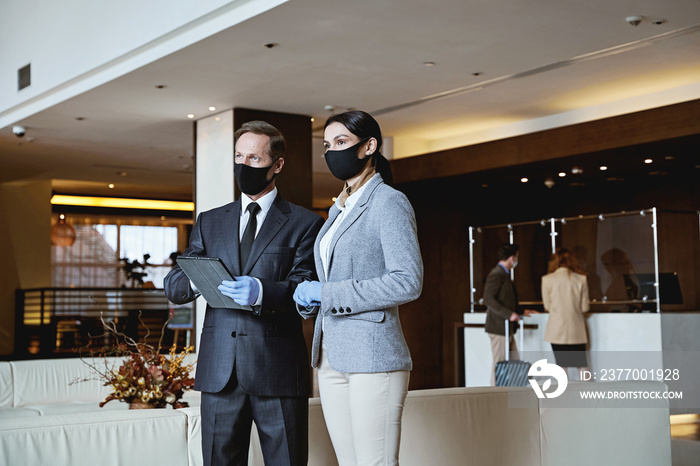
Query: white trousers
pixel 363 414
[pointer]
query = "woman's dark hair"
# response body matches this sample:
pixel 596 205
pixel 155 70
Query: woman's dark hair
pixel 363 125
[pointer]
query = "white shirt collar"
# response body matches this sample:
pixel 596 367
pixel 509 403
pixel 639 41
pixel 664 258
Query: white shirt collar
pixel 264 202
pixel 353 198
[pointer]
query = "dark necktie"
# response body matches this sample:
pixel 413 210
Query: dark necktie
pixel 249 233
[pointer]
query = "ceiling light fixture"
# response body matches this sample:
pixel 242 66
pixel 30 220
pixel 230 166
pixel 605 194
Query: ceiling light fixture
pixel 62 234
pixel 211 109
pixel 121 203
pixel 576 170
pixel 428 63
pixel 603 168
pixel 562 174
pixel 549 182
pixel 524 180
pixel 190 115
pixel 110 185
pixel 121 173
pixel 312 119
pixel 648 161
pixel 271 45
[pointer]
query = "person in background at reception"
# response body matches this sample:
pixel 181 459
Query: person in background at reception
pixel 368 263
pixel 501 299
pixel 565 297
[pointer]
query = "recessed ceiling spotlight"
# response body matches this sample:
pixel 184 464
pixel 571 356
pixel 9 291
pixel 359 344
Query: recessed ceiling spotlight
pixel 524 180
pixel 576 170
pixel 80 118
pixel 648 161
pixel 110 185
pixel 217 118
pixel 669 157
pixel 121 173
pixel 329 108
pixel 160 86
pixel 162 217
pixel 549 182
pixel 428 63
pixel 658 22
pixel 312 119
pixel 477 73
pixel 603 168
pixel 211 109
pixel 334 198
pixel 271 45
pixel 190 115
pixel 635 20
pixel 562 174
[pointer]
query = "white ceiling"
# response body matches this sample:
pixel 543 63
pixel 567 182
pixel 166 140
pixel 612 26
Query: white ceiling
pixel 501 68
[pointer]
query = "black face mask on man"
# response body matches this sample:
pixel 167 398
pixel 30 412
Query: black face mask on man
pixel 252 180
pixel 344 164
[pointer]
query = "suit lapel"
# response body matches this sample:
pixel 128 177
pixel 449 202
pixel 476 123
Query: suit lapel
pixel 230 234
pixel 275 219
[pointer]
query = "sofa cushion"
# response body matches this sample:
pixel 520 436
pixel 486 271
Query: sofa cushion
pixel 605 431
pixel 470 426
pixel 148 436
pixel 40 382
pixel 6 398
pixel 9 413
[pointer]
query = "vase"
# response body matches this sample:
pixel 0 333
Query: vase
pixel 138 404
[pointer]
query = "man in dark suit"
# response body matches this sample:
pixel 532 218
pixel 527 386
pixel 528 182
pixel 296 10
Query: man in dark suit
pixel 254 365
pixel 501 299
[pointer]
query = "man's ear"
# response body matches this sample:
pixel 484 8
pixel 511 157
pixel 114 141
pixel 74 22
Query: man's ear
pixel 279 163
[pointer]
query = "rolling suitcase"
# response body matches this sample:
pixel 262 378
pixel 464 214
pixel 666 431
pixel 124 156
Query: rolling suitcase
pixel 512 373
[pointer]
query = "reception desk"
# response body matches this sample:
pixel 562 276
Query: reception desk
pixel 663 337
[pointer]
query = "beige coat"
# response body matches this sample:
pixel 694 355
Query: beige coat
pixel 565 297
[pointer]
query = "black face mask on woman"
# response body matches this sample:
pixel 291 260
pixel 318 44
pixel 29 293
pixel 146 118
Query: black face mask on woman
pixel 252 180
pixel 344 164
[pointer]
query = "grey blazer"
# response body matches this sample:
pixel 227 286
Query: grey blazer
pixel 374 266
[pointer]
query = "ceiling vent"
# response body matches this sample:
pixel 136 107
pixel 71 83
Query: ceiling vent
pixel 24 77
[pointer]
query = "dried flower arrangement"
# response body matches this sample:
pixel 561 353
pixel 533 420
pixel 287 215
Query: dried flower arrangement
pixel 146 378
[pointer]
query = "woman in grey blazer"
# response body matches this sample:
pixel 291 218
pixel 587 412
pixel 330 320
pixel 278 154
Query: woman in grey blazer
pixel 368 263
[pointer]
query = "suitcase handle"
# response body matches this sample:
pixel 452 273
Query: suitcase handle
pixel 522 331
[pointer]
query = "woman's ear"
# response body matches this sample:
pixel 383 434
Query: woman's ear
pixel 371 146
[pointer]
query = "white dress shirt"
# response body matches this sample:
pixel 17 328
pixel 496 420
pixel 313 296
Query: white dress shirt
pixel 324 245
pixel 265 203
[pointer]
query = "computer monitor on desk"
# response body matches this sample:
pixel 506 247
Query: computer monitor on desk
pixel 643 284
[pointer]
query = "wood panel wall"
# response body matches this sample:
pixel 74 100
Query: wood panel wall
pixel 446 200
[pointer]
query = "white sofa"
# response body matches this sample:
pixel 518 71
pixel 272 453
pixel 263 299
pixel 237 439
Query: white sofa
pixel 44 420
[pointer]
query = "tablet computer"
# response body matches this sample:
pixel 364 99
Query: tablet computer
pixel 207 273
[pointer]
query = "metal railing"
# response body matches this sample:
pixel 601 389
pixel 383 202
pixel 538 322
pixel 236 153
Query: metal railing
pixel 60 321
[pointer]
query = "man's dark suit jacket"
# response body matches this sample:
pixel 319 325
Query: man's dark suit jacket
pixel 501 298
pixel 267 350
